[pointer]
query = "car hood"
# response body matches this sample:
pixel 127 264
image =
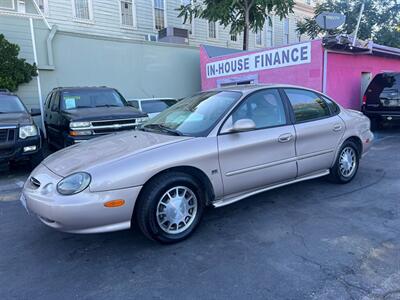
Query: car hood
pixel 15 119
pixel 103 113
pixel 83 156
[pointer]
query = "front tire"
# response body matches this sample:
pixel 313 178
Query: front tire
pixel 170 207
pixel 346 165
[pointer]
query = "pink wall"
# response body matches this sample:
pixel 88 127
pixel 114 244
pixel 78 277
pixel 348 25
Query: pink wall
pixel 308 75
pixel 343 72
pixel 344 75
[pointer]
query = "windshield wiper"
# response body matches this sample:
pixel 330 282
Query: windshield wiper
pixel 107 105
pixel 162 128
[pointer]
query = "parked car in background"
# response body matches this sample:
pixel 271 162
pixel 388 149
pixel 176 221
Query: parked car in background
pixel 153 106
pixel 381 101
pixel 19 136
pixel 214 148
pixel 76 114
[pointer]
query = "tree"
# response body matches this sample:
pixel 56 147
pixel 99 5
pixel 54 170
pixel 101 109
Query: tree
pixel 241 15
pixel 380 20
pixel 13 70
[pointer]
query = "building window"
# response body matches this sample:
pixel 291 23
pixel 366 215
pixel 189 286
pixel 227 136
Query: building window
pixel 212 30
pixel 234 37
pixel 83 9
pixel 159 14
pixel 42 4
pixel 8 4
pixel 127 13
pixel 286 30
pixel 270 35
pixel 258 38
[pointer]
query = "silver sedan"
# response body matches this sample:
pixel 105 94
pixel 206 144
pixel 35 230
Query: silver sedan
pixel 211 149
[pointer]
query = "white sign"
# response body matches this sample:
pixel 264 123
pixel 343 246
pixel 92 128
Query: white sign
pixel 269 59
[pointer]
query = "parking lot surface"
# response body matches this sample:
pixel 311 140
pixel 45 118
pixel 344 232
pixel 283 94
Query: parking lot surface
pixel 311 240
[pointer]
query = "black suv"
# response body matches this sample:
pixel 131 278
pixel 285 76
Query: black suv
pixel 19 136
pixel 76 114
pixel 381 101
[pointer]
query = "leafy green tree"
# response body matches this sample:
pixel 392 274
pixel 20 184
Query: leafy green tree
pixel 241 15
pixel 380 20
pixel 13 70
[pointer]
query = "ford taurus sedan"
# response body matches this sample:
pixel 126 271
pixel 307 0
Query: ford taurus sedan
pixel 211 149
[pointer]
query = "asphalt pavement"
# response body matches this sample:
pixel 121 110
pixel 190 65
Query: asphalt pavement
pixel 311 240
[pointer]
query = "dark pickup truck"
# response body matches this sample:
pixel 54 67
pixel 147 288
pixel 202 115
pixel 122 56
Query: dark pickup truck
pixel 76 114
pixel 19 136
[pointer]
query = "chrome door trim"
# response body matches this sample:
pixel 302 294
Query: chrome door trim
pixel 278 162
pixel 234 199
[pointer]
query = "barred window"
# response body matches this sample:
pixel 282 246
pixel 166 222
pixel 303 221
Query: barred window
pixel 233 37
pixel 82 9
pixel 127 13
pixel 259 38
pixel 286 30
pixel 212 30
pixel 159 17
pixel 270 35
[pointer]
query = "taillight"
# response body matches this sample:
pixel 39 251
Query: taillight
pixel 364 100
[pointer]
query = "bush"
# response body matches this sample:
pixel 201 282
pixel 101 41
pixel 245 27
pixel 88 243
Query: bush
pixel 13 70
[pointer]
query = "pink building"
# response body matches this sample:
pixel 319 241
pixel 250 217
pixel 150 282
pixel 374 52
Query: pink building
pixel 341 71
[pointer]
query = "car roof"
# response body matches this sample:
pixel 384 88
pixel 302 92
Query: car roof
pixel 82 88
pixel 248 88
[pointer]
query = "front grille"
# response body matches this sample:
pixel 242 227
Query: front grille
pixel 3 135
pixel 7 135
pixel 113 122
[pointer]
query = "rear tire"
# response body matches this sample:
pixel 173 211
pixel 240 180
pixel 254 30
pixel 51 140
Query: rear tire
pixel 170 207
pixel 346 165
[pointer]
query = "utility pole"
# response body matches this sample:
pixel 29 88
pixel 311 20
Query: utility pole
pixel 358 23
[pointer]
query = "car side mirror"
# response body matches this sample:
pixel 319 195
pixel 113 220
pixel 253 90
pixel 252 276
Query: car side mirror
pixel 35 112
pixel 243 125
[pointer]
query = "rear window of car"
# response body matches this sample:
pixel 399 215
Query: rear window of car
pixel 384 82
pixel 307 105
pixel 11 104
pixel 156 106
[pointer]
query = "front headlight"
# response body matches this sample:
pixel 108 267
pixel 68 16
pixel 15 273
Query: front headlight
pixel 27 131
pixel 79 124
pixel 141 120
pixel 74 183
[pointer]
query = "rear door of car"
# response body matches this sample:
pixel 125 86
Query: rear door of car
pixel 262 156
pixel 318 128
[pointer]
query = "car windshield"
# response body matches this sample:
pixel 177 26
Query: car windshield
pixel 193 116
pixel 73 99
pixel 155 106
pixel 11 104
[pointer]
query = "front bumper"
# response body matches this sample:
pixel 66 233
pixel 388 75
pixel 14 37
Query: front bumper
pixel 81 213
pixel 15 150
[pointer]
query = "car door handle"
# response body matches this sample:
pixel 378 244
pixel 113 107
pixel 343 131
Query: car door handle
pixel 337 127
pixel 285 137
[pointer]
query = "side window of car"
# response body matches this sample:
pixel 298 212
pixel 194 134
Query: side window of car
pixel 332 105
pixel 134 103
pixel 307 106
pixel 264 107
pixel 55 102
pixel 47 103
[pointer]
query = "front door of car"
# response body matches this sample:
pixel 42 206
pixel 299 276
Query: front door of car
pixel 261 156
pixel 319 130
